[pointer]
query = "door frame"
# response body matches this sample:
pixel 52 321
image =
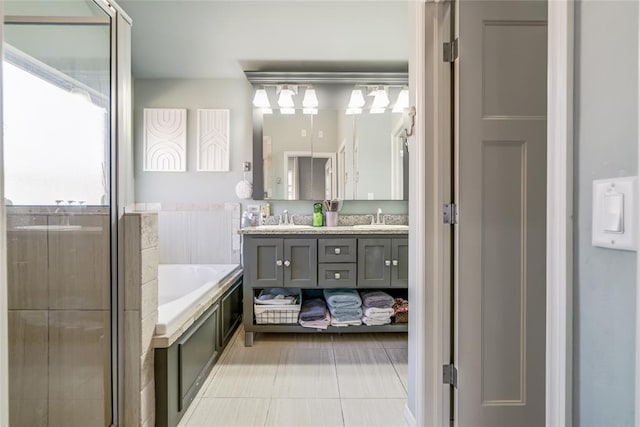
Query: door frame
pixel 559 328
pixel 430 180
pixel 427 345
pixel 4 313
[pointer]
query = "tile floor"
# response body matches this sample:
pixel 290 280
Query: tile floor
pixel 300 380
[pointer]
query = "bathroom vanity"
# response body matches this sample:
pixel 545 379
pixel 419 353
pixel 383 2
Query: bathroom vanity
pixel 359 257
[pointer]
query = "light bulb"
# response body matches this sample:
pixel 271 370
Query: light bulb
pixel 285 99
pixel 260 99
pixel 380 100
pixel 356 100
pixel 402 103
pixel 310 99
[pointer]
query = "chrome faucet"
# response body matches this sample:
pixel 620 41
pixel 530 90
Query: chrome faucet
pixel 377 220
pixel 284 219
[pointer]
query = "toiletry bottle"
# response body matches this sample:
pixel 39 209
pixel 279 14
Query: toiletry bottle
pixel 318 218
pixel 267 209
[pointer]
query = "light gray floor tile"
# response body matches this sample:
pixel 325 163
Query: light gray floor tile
pixel 226 412
pixel 306 373
pixel 246 372
pixel 393 339
pixel 270 340
pixel 367 373
pixel 305 412
pixel 314 340
pixel 399 358
pixel 373 412
pixel 194 404
pixel 358 340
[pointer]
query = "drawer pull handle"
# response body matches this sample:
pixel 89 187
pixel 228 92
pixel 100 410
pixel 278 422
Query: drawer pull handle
pixel 337 251
pixel 395 262
pixel 336 276
pixel 387 262
pixel 287 263
pixel 279 263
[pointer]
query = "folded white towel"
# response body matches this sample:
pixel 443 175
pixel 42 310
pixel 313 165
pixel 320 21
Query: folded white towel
pixel 317 324
pixel 378 313
pixel 335 322
pixel 375 322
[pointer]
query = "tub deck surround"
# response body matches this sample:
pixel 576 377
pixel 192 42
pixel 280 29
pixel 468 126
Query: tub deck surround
pixel 173 331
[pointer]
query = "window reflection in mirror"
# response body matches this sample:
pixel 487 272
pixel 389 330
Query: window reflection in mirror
pixel 334 151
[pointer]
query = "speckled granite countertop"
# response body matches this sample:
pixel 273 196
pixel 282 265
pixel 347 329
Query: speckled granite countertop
pixel 347 224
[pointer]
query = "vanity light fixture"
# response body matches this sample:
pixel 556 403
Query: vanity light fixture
pixel 380 101
pixel 356 101
pixel 287 111
pixel 260 99
pixel 351 111
pixel 285 99
pixel 402 103
pixel 266 111
pixel 310 111
pixel 310 99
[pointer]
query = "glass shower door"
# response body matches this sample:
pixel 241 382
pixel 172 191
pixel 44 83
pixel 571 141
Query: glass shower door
pixel 57 141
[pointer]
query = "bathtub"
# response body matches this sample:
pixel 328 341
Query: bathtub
pixel 182 288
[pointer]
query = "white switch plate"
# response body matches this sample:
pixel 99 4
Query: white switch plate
pixel 614 208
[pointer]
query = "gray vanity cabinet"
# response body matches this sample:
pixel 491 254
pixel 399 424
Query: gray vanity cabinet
pixel 382 262
pixel 276 262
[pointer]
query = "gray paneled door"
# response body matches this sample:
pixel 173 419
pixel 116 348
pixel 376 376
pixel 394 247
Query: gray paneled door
pixel 501 183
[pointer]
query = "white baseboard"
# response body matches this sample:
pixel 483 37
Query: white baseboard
pixel 408 416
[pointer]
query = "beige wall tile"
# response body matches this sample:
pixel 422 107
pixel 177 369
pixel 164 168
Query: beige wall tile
pixel 28 412
pixel 78 413
pixel 149 295
pixel 149 265
pixel 148 404
pixel 148 329
pixel 28 354
pixel 79 356
pixel 79 264
pixel 149 231
pixel 27 264
pixel 147 366
pixel 132 262
pixel 132 375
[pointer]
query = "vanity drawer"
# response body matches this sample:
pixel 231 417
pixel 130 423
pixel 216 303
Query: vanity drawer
pixel 337 275
pixel 337 250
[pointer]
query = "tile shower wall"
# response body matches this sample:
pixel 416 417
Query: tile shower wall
pixel 199 234
pixel 140 316
pixel 59 323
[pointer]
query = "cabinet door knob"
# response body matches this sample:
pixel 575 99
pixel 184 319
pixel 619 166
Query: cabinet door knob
pixel 395 262
pixel 336 275
pixel 337 251
pixel 287 263
pixel 387 262
pixel 279 263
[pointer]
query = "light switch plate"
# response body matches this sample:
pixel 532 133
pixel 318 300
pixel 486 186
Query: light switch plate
pixel 614 221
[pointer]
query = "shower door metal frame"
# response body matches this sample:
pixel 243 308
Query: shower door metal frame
pixel 112 10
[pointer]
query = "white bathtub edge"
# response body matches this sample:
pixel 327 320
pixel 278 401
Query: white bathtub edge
pixel 166 339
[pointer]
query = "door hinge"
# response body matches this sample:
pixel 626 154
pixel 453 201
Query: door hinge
pixel 450 214
pixel 450 51
pixel 450 375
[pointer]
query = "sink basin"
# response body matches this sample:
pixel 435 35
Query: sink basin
pixel 49 227
pixel 284 227
pixel 381 227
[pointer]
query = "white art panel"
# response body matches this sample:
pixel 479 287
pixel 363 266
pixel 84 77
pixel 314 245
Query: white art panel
pixel 165 140
pixel 213 140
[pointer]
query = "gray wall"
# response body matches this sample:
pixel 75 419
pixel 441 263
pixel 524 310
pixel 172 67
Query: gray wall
pixel 606 139
pixel 211 187
pixel 192 186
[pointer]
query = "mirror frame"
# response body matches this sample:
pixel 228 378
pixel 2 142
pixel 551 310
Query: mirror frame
pixel 257 78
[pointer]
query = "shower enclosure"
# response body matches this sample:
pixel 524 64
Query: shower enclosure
pixel 63 93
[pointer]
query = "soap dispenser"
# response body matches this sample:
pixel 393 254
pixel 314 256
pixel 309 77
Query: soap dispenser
pixel 318 219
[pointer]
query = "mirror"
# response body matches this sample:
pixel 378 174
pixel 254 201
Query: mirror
pixel 340 142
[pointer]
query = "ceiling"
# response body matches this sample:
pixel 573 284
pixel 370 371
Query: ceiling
pixel 221 39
